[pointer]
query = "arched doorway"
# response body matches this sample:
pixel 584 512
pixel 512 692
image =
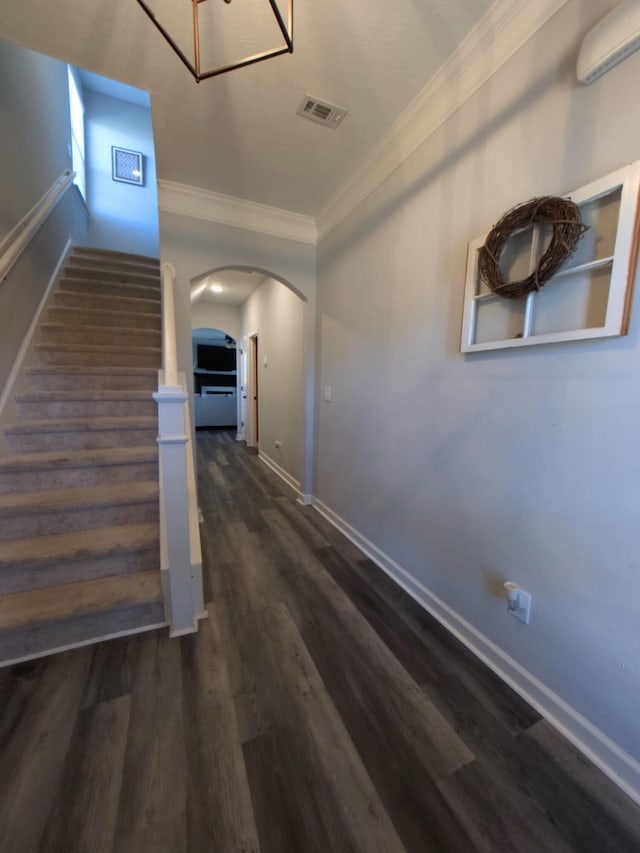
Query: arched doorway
pixel 275 346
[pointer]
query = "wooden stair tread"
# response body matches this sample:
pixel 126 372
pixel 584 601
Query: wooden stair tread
pixel 77 497
pixel 82 425
pixel 75 599
pixel 79 458
pixel 80 545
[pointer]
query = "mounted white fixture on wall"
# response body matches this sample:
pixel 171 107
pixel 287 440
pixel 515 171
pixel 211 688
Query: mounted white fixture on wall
pixel 518 602
pixel 611 41
pixel 209 37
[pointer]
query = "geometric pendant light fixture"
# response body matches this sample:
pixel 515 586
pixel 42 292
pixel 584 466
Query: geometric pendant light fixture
pixel 214 36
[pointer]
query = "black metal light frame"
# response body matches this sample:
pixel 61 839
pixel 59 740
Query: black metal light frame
pixel 195 69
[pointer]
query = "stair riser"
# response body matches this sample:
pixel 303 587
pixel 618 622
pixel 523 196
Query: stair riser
pixel 17 579
pixel 109 337
pixel 114 264
pixel 32 641
pixel 87 409
pixel 111 255
pixel 97 382
pixel 61 478
pixel 73 299
pixel 125 275
pixel 78 318
pixel 110 289
pixel 80 440
pixel 97 359
pixel 29 525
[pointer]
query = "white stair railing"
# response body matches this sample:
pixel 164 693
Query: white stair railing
pixel 180 555
pixel 16 241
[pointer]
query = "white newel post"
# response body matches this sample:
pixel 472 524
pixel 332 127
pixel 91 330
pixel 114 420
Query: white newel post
pixel 180 546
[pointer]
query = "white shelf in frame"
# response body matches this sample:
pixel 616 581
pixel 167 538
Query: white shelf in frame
pixel 590 297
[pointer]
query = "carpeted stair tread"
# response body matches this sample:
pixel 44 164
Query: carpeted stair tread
pixel 76 599
pixel 106 494
pixel 114 260
pixel 82 425
pixel 103 317
pixel 116 288
pixel 105 277
pixel 79 458
pixel 82 301
pixel 109 254
pixel 63 370
pixel 80 545
pixel 96 349
pixel 82 394
pixel 129 330
pixel 67 377
pixel 94 262
pixel 79 492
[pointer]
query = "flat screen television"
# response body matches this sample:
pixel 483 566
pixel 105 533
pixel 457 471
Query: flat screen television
pixel 210 357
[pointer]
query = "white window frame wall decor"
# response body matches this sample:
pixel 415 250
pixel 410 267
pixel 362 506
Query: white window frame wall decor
pixel 619 263
pixel 131 176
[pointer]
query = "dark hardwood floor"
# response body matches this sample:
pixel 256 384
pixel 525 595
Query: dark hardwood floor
pixel 318 709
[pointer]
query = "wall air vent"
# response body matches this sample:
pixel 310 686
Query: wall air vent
pixel 324 113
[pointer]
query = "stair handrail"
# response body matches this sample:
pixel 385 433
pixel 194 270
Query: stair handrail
pixel 180 556
pixel 16 241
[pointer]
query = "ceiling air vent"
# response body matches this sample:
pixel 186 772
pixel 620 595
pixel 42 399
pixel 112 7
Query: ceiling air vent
pixel 324 113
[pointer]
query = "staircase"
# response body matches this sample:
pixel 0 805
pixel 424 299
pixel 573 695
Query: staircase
pixel 79 530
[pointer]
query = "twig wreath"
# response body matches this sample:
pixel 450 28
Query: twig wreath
pixel 560 214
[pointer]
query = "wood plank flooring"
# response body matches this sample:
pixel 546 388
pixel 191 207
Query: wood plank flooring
pixel 318 709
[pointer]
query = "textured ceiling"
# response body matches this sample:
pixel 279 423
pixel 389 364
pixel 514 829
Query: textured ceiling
pixel 239 134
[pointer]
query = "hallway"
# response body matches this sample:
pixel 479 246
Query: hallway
pixel 318 709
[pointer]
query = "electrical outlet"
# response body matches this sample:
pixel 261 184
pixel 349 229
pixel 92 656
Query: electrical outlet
pixel 277 444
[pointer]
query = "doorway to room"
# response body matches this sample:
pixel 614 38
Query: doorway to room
pixel 274 333
pixel 215 379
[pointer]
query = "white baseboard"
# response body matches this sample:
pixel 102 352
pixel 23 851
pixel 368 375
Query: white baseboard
pixel 617 764
pixel 26 343
pixel 279 470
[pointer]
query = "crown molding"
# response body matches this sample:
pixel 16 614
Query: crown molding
pixel 224 209
pixel 501 32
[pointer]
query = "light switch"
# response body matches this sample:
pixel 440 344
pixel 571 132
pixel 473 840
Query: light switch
pixel 264 361
pixel 327 393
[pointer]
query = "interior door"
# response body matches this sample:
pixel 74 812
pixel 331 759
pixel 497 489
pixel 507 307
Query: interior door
pixel 253 393
pixel 242 392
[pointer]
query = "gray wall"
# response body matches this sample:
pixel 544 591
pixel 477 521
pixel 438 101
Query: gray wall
pixel 34 151
pixel 519 465
pixel 124 217
pixel 209 315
